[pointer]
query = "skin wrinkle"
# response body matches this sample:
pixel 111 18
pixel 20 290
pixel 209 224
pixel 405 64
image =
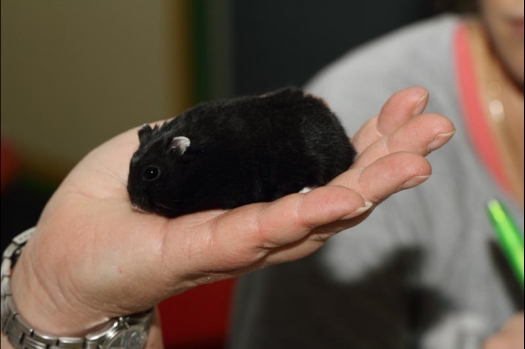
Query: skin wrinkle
pixel 387 144
pixel 70 188
pixel 187 250
pixel 282 254
pixel 185 253
pixel 322 236
pixel 263 244
pixel 166 251
pixel 360 145
pixel 163 245
pixel 225 273
pixel 73 288
pixel 421 103
pixel 214 240
pixel 41 284
pixel 361 170
pixel 274 254
pixel 303 221
pixel 261 234
pixel 112 173
pixel 87 191
pixel 160 253
pixel 59 293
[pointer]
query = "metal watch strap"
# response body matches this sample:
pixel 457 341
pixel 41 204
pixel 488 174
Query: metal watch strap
pixel 22 336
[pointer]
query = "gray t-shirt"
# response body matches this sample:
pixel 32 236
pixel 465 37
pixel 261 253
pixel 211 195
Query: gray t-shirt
pixel 423 271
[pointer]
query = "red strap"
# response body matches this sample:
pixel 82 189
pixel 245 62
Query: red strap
pixel 474 114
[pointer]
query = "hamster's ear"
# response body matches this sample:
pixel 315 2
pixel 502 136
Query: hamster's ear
pixel 181 143
pixel 145 133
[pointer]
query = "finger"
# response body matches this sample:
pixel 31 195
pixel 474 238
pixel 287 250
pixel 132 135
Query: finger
pixel 317 208
pixel 314 240
pixel 386 176
pixel 511 336
pixel 515 326
pixel 236 241
pixel 379 181
pixel 155 340
pixel 420 135
pixel 399 108
pixel 248 234
pixel 503 341
pixel 282 230
pixel 366 135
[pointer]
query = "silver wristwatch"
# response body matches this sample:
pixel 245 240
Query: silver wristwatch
pixel 123 332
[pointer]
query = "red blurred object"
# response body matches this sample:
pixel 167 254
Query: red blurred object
pixel 199 318
pixel 10 164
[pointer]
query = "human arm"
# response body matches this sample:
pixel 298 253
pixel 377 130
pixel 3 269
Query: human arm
pixel 92 257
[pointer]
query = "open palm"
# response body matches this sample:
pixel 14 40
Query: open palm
pixel 94 257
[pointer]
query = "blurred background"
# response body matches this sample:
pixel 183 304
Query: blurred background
pixel 76 73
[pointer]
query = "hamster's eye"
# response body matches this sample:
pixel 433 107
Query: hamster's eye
pixel 151 173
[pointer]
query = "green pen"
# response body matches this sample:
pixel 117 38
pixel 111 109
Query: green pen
pixel 510 237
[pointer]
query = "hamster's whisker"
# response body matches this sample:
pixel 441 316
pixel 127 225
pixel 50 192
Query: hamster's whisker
pixel 163 206
pixel 173 201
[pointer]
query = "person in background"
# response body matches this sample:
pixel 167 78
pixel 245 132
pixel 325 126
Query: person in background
pixel 424 271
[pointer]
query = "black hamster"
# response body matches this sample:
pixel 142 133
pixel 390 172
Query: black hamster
pixel 228 153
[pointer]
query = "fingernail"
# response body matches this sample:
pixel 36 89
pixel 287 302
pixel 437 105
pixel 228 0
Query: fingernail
pixel 421 104
pixel 439 141
pixel 414 181
pixel 359 211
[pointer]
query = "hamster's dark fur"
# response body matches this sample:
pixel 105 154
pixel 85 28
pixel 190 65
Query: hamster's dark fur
pixel 228 153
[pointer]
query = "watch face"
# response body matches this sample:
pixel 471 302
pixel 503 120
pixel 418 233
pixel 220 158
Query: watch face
pixel 132 338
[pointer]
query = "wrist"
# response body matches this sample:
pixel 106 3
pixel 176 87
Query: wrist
pixel 124 331
pixel 44 306
pixel 5 343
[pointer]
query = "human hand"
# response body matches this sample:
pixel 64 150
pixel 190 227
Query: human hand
pixel 510 337
pixel 93 257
